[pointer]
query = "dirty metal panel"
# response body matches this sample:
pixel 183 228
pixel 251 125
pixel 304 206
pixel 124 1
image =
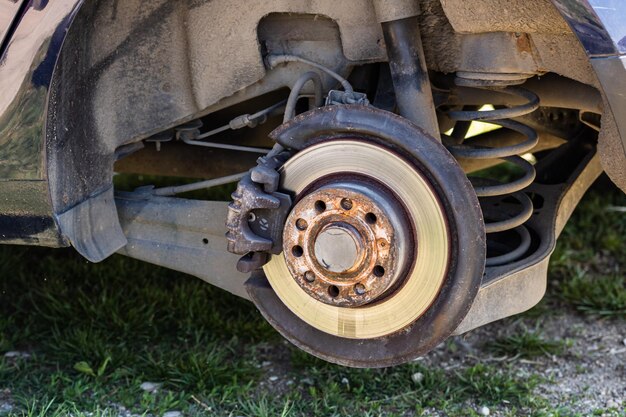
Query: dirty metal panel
pixel 184 235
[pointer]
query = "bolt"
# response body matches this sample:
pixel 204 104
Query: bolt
pixel 309 276
pixel 346 203
pixel 359 289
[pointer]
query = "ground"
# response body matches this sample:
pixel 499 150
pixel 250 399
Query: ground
pixel 125 338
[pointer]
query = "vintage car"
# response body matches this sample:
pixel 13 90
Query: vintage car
pixel 370 220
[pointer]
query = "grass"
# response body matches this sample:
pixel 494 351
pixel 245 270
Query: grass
pixel 95 332
pixel 526 344
pixel 589 264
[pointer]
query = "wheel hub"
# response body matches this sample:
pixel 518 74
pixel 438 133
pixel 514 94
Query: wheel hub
pixel 338 247
pixel 346 244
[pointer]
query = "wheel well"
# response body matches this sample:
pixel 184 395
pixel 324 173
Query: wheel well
pixel 131 69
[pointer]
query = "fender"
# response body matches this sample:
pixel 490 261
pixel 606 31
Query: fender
pixel 600 26
pixel 33 32
pixel 8 13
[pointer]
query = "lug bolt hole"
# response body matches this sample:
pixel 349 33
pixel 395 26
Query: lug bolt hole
pixel 379 271
pixel 370 218
pixel 320 206
pixel 346 204
pixel 297 251
pixel 301 224
pixel 333 291
pixel 359 289
pixel 309 276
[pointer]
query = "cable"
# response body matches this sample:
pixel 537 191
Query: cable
pixel 178 189
pixel 290 107
pixel 274 60
pixel 226 146
pixel 245 120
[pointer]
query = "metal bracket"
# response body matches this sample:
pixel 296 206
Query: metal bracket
pixel 343 97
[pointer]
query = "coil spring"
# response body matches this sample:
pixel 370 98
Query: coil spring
pixel 496 220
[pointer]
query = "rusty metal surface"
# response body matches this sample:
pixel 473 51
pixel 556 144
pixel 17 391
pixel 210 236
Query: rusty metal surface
pixel 500 52
pixel 341 245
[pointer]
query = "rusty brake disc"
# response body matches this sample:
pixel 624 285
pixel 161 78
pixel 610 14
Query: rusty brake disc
pixel 384 248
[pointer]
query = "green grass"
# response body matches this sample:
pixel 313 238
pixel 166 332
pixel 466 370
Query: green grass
pixel 603 295
pixel 588 266
pixel 526 344
pixel 95 332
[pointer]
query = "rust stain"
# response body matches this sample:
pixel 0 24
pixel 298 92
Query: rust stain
pixel 523 43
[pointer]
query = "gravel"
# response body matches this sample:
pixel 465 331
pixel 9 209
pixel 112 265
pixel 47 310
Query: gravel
pixel 589 375
pixel 150 386
pixel 417 377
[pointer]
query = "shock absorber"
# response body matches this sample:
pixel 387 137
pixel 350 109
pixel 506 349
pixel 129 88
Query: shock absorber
pixel 495 195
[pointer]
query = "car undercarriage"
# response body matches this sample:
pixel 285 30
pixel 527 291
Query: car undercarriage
pixel 401 170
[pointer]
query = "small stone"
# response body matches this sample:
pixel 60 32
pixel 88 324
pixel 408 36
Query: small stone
pixel 307 381
pixel 612 404
pixel 273 378
pixel 624 341
pixel 172 414
pixel 265 364
pixel 150 386
pixel 484 411
pixel 417 377
pixel 17 354
pixel 345 381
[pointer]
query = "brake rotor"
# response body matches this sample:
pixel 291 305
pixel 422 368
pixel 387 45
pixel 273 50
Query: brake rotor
pixel 420 282
pixel 384 248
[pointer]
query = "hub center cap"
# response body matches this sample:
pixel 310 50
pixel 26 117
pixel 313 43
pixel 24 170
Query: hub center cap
pixel 347 244
pixel 338 248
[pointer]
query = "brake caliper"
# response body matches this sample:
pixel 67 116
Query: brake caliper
pixel 257 214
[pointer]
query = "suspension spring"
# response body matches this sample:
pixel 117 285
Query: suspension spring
pixel 494 194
